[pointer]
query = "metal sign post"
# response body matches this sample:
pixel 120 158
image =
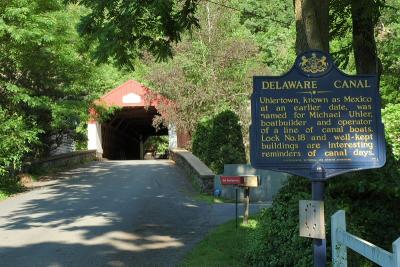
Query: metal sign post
pixel 319 244
pixel 318 192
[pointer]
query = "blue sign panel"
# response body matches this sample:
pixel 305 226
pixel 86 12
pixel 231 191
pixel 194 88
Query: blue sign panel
pixel 316 121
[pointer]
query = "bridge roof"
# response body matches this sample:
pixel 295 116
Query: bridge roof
pixel 130 94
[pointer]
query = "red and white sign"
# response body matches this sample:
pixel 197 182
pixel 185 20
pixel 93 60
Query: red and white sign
pixel 232 180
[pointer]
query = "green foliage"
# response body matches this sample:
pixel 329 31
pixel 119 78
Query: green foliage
pixel 388 41
pixel 219 141
pixel 104 113
pixel 391 120
pixel 17 136
pixel 223 246
pixel 157 144
pixel 8 189
pixel 211 70
pixel 277 234
pixel 273 26
pixel 46 80
pixel 200 140
pixel 370 199
pixel 124 29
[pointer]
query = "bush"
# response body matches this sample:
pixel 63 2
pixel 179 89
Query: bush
pixel 219 140
pixel 200 142
pixel 391 119
pixel 17 136
pixel 371 199
pixel 157 144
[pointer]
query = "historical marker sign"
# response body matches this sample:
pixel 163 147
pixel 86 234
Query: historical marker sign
pixel 315 114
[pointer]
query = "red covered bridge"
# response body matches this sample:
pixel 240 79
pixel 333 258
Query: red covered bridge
pixel 124 134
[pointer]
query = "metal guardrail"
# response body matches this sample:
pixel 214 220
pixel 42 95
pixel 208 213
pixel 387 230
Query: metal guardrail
pixel 341 240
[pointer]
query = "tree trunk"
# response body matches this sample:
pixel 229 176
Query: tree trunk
pixel 312 25
pixel 364 44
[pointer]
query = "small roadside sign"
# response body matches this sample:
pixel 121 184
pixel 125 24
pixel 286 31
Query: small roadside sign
pixel 232 180
pixel 245 182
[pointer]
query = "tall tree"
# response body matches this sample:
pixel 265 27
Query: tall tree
pixel 210 72
pixel 46 81
pixel 365 15
pixel 312 25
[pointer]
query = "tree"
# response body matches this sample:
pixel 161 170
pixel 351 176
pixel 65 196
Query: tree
pixel 312 25
pixel 47 81
pixel 210 72
pixel 219 141
pixel 364 16
pixel 272 24
pixel 124 29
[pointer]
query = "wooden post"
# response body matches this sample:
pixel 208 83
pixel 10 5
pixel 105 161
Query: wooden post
pixel 396 252
pixel 246 205
pixel 339 251
pixel 236 206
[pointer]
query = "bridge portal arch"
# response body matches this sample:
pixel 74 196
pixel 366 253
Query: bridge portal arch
pixel 124 134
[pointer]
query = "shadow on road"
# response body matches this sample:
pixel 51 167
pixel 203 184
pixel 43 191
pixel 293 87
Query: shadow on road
pixel 105 214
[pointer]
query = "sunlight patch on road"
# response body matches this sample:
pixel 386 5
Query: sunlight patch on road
pixel 90 220
pixel 77 233
pixel 190 205
pixel 135 243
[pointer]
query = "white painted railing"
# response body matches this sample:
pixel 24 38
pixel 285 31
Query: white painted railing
pixel 341 240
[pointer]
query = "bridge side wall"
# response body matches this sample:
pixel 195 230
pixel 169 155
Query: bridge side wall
pixel 61 160
pixel 195 169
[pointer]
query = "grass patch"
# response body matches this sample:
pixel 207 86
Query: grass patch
pixel 224 246
pixel 9 189
pixel 212 199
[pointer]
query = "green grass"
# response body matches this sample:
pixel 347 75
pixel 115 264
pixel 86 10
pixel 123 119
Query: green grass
pixel 9 189
pixel 211 199
pixel 222 247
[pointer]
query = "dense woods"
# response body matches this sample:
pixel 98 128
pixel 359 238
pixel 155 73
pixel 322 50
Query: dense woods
pixel 57 57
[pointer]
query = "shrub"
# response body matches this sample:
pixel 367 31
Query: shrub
pixel 157 144
pixel 17 136
pixel 219 140
pixel 391 118
pixel 370 198
pixel 200 142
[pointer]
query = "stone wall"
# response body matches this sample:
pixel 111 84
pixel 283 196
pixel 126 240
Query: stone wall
pixel 62 160
pixel 200 174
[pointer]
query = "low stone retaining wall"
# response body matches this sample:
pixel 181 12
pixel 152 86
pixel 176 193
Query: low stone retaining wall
pixel 61 160
pixel 195 169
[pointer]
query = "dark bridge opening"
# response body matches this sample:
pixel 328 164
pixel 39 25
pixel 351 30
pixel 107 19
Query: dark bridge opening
pixel 123 135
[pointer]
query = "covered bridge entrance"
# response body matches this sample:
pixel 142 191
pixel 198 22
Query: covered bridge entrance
pixel 122 136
